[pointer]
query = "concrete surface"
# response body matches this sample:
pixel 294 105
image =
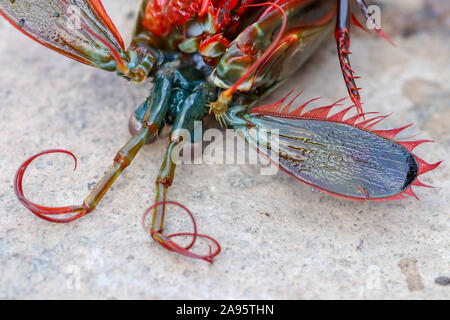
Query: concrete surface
pixel 280 239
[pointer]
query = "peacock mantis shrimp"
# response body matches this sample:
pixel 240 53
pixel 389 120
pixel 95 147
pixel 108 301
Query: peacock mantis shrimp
pixel 221 57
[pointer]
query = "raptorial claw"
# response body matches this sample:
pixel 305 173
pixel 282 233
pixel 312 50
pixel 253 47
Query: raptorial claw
pixel 46 212
pixel 169 244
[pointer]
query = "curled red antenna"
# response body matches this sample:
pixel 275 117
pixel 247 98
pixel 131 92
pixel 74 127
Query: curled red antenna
pixel 169 244
pixel 42 212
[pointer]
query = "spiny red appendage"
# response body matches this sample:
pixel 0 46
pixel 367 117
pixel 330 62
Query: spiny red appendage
pixel 321 113
pixel 167 243
pixel 41 211
pixel 424 166
pixel 381 33
pixel 343 45
pixel 356 22
pixel 391 133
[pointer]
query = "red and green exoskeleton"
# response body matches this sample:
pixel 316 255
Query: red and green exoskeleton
pixel 222 56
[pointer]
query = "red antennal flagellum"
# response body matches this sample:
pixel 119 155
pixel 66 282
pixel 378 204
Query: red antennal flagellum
pixel 42 212
pixel 167 243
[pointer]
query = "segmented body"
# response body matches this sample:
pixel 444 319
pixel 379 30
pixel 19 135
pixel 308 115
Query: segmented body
pixel 232 44
pixel 225 55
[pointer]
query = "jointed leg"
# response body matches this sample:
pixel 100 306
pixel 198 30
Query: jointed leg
pixel 192 110
pixel 122 160
pixel 342 35
pixel 163 182
pixel 156 111
pixel 152 120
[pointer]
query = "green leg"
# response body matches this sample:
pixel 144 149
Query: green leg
pixel 122 160
pixel 152 121
pixel 193 109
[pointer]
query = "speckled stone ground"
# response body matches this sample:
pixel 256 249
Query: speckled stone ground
pixel 280 239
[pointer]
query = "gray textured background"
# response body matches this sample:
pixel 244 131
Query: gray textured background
pixel 279 238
